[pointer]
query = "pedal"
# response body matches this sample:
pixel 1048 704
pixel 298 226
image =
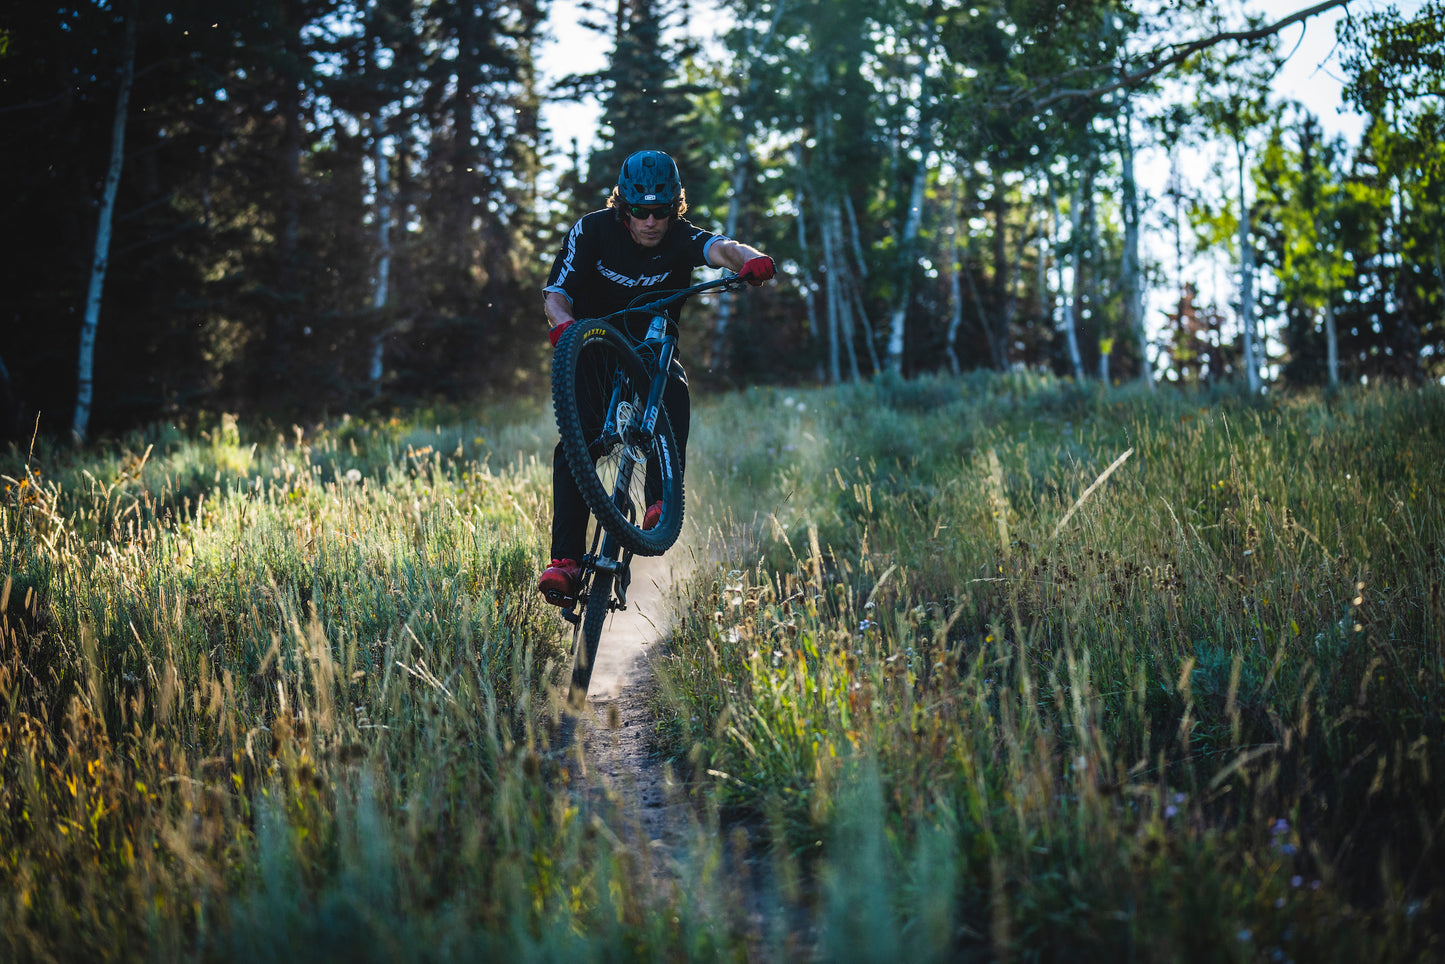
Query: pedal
pixel 558 598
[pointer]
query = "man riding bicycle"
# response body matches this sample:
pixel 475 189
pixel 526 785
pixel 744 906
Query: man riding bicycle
pixel 639 244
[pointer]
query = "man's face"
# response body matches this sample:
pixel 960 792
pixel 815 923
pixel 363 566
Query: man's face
pixel 648 223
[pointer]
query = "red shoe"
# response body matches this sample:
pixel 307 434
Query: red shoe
pixel 653 514
pixel 559 581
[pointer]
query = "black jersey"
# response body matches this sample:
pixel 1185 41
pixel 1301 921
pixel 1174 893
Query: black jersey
pixel 602 270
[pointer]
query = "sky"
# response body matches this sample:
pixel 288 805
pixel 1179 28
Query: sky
pixel 573 49
pixel 1312 74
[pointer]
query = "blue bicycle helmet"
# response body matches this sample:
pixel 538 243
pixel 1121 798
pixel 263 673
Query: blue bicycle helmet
pixel 649 177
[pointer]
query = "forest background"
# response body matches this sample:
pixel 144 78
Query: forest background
pixel 296 208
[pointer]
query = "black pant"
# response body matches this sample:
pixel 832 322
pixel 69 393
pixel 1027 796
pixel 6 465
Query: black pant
pixel 569 511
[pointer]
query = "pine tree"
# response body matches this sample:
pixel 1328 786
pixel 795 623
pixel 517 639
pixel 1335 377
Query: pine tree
pixel 645 107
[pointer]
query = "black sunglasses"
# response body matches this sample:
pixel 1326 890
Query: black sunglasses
pixel 642 213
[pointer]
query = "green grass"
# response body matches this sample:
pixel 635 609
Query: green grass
pixel 295 699
pixel 1200 709
pixel 293 694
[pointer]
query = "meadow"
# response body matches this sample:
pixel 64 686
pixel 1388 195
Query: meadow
pixel 991 668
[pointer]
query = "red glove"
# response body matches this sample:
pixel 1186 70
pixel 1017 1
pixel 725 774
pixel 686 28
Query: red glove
pixel 758 270
pixel 554 334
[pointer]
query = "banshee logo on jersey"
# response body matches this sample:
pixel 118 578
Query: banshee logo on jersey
pixel 622 279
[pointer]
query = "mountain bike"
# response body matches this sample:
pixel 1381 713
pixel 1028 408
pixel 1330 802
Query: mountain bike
pixel 618 443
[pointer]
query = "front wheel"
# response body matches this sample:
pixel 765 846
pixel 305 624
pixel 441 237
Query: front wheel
pixel 584 644
pixel 599 393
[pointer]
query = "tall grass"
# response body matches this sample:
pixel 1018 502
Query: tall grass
pixel 992 668
pixel 1197 709
pixel 295 698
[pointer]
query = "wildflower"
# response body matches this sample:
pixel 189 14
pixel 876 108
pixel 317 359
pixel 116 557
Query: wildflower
pixel 1245 935
pixel 1296 881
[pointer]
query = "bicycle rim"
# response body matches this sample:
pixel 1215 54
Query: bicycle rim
pixel 599 381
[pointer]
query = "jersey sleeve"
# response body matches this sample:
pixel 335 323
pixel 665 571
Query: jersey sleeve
pixel 570 263
pixel 698 243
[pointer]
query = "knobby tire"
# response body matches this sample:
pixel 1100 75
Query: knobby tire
pixel 585 655
pixel 591 358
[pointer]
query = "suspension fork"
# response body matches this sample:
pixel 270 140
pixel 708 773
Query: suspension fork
pixel 666 350
pixel 610 433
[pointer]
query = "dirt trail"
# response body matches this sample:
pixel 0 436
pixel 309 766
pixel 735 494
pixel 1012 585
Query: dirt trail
pixel 612 759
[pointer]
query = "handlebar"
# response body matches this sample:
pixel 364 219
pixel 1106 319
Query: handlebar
pixel 726 282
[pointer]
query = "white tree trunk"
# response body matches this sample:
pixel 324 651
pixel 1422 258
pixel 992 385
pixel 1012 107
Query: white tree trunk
pixel 1132 280
pixel 85 374
pixel 1042 266
pixel 740 166
pixel 1073 315
pixel 855 293
pixel 846 296
pixel 1060 312
pixel 910 232
pixel 955 285
pixel 855 235
pixel 1246 284
pixel 381 283
pixel 834 293
pixel 806 274
pixel 1332 342
pixel 730 227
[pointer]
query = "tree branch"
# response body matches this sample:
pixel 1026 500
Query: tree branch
pixel 1180 53
pixel 31 105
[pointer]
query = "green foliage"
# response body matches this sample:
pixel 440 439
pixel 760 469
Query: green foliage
pixel 1396 60
pixel 296 697
pixel 1192 703
pixel 243 271
pixel 254 219
pixel 961 683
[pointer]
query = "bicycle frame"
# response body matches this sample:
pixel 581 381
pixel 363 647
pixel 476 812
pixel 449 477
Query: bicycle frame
pixel 623 426
pixel 663 353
